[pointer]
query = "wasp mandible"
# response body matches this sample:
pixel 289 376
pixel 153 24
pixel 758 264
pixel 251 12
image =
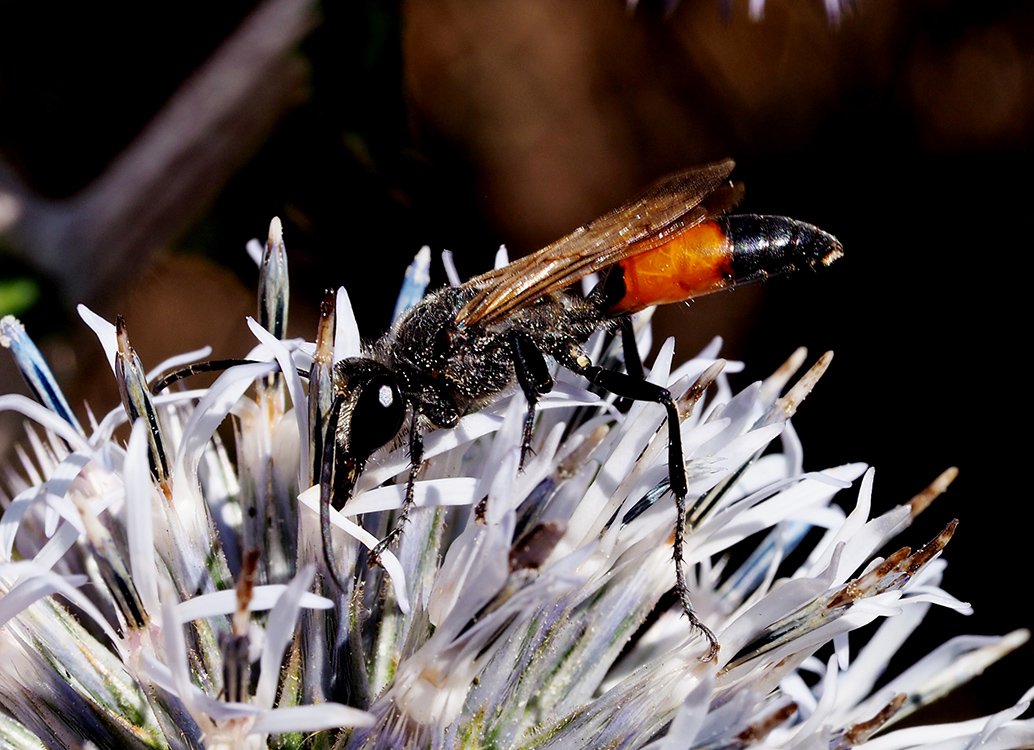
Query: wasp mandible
pixel 464 346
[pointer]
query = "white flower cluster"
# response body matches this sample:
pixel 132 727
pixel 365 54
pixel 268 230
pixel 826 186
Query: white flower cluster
pixel 170 591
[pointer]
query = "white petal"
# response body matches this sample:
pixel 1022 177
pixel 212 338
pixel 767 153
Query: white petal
pixel 798 498
pixel 475 568
pixel 500 464
pixel 795 688
pixel 814 724
pixel 311 719
pixel 255 251
pixel 11 518
pixel 851 531
pixel 294 387
pixel 279 632
pixel 211 411
pixel 786 598
pixel 104 331
pixel 872 660
pixel 57 486
pixel 139 523
pixel 955 736
pixel 225 602
pixel 953 663
pixel 660 369
pixel 711 350
pixel 175 657
pixel 690 717
pixel 428 493
pixel 46 418
pixel 36 585
pixel 44 582
pixel 389 561
pixel 57 546
pixel 346 330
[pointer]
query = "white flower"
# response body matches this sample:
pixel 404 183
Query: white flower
pixel 523 608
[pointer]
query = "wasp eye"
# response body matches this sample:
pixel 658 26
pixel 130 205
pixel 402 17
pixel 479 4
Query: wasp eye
pixel 376 414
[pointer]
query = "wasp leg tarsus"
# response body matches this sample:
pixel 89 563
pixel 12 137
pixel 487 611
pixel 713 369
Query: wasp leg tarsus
pixel 680 585
pixel 534 378
pixel 627 386
pixel 416 458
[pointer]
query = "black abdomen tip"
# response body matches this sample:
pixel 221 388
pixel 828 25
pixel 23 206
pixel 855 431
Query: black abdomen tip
pixel 765 246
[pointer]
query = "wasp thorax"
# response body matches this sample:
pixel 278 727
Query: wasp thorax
pixel 371 406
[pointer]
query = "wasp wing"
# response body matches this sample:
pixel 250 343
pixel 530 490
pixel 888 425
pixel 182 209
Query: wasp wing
pixel 674 203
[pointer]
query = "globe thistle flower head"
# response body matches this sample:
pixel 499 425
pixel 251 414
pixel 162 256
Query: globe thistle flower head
pixel 174 589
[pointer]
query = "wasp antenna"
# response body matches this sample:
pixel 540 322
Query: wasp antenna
pixel 211 365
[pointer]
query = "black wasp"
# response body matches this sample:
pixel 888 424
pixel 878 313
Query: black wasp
pixel 462 347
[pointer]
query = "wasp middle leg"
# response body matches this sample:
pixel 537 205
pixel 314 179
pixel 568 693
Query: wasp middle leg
pixel 534 378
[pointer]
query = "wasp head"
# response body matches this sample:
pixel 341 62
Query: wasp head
pixel 371 409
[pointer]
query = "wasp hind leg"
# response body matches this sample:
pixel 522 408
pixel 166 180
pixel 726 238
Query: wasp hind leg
pixel 534 378
pixel 633 362
pixel 637 389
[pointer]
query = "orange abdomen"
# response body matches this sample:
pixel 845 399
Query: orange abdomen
pixel 692 262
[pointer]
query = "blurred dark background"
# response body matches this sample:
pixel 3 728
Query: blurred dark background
pixel 372 128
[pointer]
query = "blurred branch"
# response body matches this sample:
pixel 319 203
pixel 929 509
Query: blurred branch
pixel 169 175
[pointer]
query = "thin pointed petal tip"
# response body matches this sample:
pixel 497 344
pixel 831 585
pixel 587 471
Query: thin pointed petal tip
pixel 276 232
pixel 935 489
pixel 122 336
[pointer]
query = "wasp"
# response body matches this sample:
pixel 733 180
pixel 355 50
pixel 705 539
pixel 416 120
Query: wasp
pixel 463 347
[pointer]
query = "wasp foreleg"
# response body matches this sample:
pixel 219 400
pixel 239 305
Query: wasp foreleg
pixel 416 459
pixel 534 378
pixel 624 385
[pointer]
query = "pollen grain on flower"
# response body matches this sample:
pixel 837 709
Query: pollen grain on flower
pixel 172 591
